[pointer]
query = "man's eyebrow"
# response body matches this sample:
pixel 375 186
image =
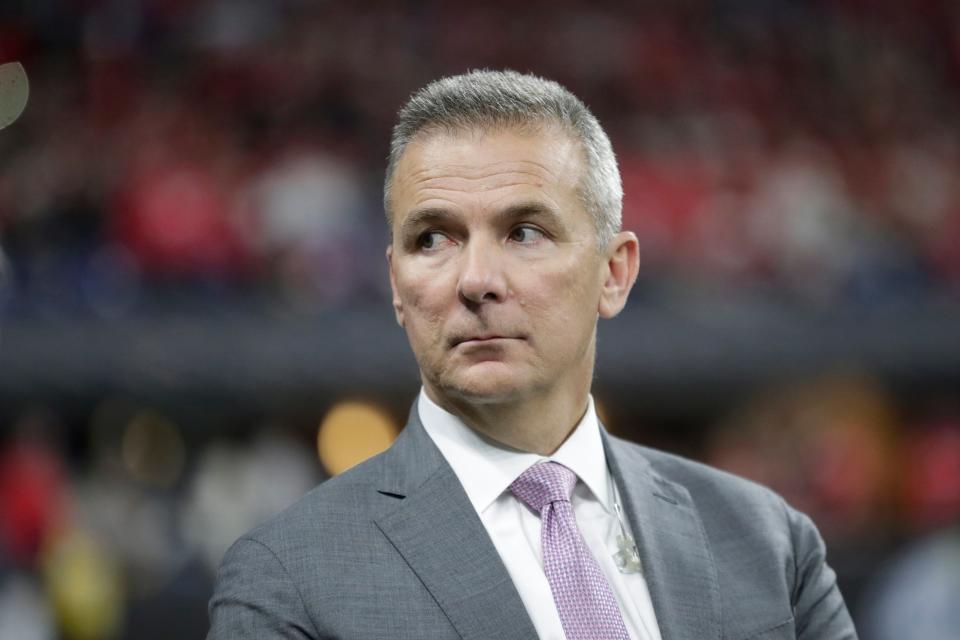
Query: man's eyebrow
pixel 433 215
pixel 529 209
pixel 422 217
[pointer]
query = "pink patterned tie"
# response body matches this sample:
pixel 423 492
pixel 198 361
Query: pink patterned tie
pixel 588 610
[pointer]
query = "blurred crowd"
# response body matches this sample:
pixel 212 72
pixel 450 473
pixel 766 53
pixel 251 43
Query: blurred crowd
pixel 236 148
pixel 229 151
pixel 120 537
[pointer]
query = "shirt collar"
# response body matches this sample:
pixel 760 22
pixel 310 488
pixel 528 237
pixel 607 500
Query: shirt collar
pixel 486 468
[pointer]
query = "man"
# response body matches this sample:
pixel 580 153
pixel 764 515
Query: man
pixel 504 510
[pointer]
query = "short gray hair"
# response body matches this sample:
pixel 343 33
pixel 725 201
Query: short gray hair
pixel 507 99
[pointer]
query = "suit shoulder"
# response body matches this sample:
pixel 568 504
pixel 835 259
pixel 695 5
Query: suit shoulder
pixel 720 494
pixel 336 505
pixel 700 475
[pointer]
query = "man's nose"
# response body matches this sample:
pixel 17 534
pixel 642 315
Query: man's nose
pixel 482 277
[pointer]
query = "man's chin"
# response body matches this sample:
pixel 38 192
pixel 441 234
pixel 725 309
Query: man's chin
pixel 485 385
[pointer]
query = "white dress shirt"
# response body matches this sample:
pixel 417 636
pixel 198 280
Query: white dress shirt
pixel 486 469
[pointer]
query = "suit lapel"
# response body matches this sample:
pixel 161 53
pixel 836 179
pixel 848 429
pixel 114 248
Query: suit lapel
pixel 677 563
pixel 442 539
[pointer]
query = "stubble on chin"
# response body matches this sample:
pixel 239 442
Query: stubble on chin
pixel 482 384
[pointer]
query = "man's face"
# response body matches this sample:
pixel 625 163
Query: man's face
pixel 494 264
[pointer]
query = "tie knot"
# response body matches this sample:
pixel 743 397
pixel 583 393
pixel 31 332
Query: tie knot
pixel 543 483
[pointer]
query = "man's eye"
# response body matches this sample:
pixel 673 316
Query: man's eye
pixel 526 235
pixel 431 240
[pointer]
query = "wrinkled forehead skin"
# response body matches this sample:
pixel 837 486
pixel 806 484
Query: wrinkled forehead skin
pixel 474 132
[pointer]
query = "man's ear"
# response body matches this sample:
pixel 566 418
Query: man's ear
pixel 620 268
pixel 397 305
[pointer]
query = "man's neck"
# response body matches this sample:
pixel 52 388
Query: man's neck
pixel 538 425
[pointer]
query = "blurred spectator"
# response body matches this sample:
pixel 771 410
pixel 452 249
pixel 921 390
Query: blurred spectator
pixel 32 491
pixel 304 217
pixel 236 488
pixel 931 471
pixel 173 203
pixel 84 586
pixel 803 224
pixel 917 595
pixel 24 611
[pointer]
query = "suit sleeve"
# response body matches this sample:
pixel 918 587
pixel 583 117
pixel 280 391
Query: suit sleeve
pixel 255 598
pixel 819 609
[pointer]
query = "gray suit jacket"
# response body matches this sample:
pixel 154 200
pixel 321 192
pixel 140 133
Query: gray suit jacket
pixel 393 549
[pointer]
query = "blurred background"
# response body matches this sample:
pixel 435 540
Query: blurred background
pixel 195 315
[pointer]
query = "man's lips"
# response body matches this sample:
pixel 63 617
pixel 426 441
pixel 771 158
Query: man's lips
pixel 481 339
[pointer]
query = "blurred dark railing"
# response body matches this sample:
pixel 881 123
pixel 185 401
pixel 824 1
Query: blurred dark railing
pixel 677 354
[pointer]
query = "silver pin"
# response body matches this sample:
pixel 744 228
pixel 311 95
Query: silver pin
pixel 627 557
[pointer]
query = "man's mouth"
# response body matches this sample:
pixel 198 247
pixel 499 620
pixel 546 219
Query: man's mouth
pixel 480 339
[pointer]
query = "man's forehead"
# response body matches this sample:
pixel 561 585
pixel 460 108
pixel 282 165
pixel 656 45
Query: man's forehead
pixel 475 151
pixel 477 132
pixel 545 148
pixel 496 165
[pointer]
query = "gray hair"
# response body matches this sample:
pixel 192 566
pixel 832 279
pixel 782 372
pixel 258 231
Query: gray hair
pixel 507 99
